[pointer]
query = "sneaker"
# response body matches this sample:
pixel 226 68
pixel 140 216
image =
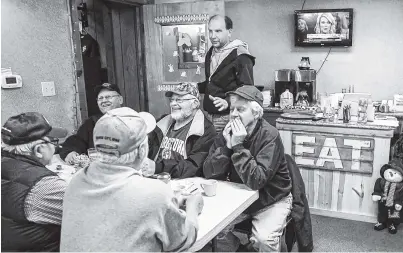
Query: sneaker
pixel 392 229
pixel 379 226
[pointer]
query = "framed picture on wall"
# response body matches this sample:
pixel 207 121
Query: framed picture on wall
pixel 185 37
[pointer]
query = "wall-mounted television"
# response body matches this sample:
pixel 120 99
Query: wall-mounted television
pixel 324 27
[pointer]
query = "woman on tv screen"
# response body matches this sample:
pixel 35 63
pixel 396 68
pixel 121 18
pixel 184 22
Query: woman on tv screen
pixel 325 24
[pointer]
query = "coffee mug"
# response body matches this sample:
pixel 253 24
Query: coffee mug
pixel 209 187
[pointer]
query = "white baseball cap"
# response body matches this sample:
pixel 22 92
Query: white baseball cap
pixel 122 130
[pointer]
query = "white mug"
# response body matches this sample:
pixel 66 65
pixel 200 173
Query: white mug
pixel 209 187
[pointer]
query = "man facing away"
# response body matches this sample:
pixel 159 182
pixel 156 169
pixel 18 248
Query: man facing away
pixel 110 206
pixel 228 65
pixel 31 195
pixel 181 141
pixel 108 98
pixel 250 151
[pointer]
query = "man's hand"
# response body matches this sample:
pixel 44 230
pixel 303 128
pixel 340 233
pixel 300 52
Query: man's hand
pixel 238 132
pixel 220 103
pixel 148 167
pixel 227 135
pixel 195 203
pixel 71 157
pixel 376 197
pixel 398 207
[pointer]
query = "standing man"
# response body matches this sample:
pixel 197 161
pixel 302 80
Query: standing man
pixel 31 194
pixel 181 141
pixel 110 206
pixel 108 98
pixel 250 151
pixel 228 65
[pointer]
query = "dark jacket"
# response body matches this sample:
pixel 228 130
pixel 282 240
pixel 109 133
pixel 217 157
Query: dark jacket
pixel 258 163
pixel 82 140
pixel 301 217
pixel 234 71
pixel 198 141
pixel 18 175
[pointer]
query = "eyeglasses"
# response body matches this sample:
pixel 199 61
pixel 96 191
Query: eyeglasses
pixel 53 141
pixel 179 100
pixel 106 97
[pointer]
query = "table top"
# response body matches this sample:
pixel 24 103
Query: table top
pixel 220 210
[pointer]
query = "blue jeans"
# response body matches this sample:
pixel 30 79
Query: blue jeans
pixel 267 227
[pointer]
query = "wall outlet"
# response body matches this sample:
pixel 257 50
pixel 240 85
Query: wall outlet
pixel 48 89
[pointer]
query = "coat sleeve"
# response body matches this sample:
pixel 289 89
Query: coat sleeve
pixel 256 171
pixel 244 71
pixel 377 187
pixel 218 161
pixel 177 232
pixel 202 86
pixel 78 142
pixel 193 164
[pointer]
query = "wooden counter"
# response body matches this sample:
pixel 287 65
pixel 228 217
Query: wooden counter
pixel 339 163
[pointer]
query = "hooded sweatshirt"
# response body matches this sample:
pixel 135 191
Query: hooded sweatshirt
pixel 113 208
pixel 226 69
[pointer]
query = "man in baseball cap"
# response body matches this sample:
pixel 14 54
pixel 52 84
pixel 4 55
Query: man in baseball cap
pixel 110 201
pixel 250 151
pixel 181 140
pixel 32 195
pixel 108 98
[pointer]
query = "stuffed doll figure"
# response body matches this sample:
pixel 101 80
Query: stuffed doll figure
pixel 388 191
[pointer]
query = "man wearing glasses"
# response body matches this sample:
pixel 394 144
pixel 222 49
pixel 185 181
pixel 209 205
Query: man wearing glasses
pixel 108 98
pixel 32 195
pixel 181 141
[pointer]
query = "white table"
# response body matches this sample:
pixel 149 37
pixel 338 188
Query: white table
pixel 67 171
pixel 219 211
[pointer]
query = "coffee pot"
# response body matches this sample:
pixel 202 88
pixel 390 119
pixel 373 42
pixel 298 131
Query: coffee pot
pixel 304 64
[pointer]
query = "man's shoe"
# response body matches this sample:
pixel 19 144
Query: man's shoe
pixel 392 229
pixel 379 226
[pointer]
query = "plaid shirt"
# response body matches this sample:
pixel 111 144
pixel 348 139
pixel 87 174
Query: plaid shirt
pixel 44 203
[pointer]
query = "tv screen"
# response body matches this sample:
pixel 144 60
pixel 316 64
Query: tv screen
pixel 324 27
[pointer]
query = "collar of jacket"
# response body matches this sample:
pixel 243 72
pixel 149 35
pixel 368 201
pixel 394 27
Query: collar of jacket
pixel 255 130
pixel 22 158
pixel 196 127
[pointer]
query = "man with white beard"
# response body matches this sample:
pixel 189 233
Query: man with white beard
pixel 181 141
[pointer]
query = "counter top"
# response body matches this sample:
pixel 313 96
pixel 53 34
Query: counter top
pixel 398 115
pixel 376 125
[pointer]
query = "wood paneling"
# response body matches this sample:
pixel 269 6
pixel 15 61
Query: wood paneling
pixel 343 194
pixel 153 45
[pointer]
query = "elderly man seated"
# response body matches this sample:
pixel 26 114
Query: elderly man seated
pixel 250 151
pixel 108 98
pixel 110 206
pixel 31 195
pixel 180 143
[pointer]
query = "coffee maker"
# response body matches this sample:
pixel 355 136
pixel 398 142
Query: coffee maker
pixel 300 82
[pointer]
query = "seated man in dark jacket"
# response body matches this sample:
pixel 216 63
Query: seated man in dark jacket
pixel 181 141
pixel 108 98
pixel 31 195
pixel 250 151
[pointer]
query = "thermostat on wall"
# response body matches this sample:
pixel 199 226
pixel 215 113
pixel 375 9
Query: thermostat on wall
pixel 11 81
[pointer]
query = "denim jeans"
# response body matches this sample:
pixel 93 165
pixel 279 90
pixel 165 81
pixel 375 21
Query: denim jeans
pixel 219 121
pixel 267 227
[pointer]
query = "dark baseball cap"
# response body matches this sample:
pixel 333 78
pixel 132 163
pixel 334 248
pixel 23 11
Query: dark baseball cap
pixel 28 127
pixel 106 86
pixel 248 92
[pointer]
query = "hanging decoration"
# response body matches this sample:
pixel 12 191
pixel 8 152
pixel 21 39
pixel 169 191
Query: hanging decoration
pixel 183 74
pixel 198 70
pixel 175 54
pixel 171 68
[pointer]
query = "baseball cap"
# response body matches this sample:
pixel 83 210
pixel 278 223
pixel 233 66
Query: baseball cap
pixel 107 86
pixel 183 89
pixel 248 92
pixel 28 127
pixel 122 130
